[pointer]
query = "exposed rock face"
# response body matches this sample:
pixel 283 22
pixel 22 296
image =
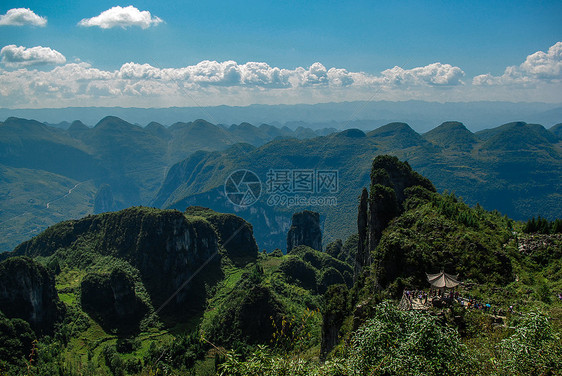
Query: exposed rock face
pixel 305 230
pixel 236 235
pixel 389 180
pixel 534 244
pixel 167 250
pixel 333 315
pixel 166 246
pixel 111 299
pixel 27 291
pixel 363 253
pixel 103 201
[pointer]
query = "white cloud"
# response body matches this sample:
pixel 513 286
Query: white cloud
pixel 122 17
pixel 22 17
pixel 18 56
pixel 228 82
pixel 538 67
pixel 212 83
pixel 545 65
pixel 261 74
pixel 435 74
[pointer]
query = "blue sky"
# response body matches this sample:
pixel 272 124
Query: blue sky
pixel 360 39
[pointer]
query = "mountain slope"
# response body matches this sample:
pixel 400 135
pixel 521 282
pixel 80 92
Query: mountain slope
pixel 30 144
pixel 520 181
pixel 452 135
pixel 396 136
pixel 125 163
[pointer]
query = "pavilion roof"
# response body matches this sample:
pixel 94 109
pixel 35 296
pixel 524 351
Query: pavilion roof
pixel 443 280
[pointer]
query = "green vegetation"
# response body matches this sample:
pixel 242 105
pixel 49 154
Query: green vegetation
pixel 543 226
pixel 485 168
pixel 116 283
pixel 16 340
pixel 50 175
pixel 444 233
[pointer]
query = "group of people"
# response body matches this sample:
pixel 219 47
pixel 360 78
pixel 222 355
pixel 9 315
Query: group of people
pixel 426 298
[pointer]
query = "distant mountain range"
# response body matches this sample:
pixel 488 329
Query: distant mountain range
pixel 515 168
pixel 420 115
pixel 50 174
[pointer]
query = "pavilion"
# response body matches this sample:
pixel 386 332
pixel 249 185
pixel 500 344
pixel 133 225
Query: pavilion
pixel 443 280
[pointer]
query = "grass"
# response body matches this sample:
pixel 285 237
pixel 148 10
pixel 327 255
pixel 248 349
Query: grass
pixel 271 263
pixel 68 298
pixel 69 279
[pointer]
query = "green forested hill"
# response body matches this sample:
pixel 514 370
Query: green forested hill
pixel 146 291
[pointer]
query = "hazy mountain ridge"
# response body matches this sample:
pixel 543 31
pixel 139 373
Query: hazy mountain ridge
pixel 515 168
pixel 131 160
pixel 366 115
pixel 136 165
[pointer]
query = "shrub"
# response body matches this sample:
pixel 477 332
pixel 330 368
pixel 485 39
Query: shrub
pixel 299 272
pixel 397 342
pixel 534 348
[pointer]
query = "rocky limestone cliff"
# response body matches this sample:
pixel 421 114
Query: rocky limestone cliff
pixel 389 180
pixel 363 254
pixel 236 235
pixel 166 246
pixel 305 230
pixel 27 291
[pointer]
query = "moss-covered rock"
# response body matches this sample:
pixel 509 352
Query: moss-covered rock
pixel 315 270
pixel 236 235
pixel 27 291
pixel 305 230
pixel 247 316
pixel 111 300
pixel 299 272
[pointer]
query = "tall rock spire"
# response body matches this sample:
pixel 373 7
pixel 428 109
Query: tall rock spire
pixel 383 202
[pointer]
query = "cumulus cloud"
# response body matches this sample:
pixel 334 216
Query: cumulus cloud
pixel 537 67
pixel 220 82
pixel 122 17
pixel 435 74
pixel 545 65
pixel 22 17
pixel 252 74
pixel 18 56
